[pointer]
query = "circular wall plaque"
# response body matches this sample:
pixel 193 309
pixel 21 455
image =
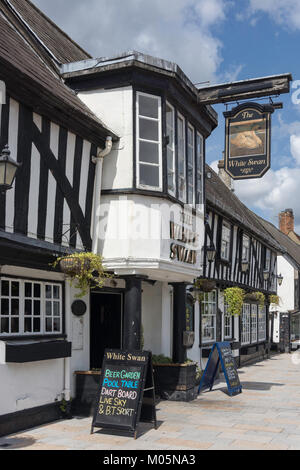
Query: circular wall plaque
pixel 78 308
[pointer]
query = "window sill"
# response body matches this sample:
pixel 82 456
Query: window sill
pixel 24 350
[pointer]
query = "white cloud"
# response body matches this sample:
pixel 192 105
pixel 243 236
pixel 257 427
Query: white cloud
pixel 283 12
pixel 273 193
pixel 295 147
pixel 182 31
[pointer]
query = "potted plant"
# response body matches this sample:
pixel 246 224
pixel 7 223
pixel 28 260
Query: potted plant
pixel 84 270
pixel 177 382
pixel 65 409
pixel 234 299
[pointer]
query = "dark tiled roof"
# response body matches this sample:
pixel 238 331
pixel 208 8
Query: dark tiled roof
pixel 59 43
pixel 29 79
pixel 219 196
pixel 292 248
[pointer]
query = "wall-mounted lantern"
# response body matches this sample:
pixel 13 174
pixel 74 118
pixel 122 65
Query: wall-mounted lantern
pixel 266 274
pixel 211 253
pixel 8 169
pixel 280 279
pixel 245 266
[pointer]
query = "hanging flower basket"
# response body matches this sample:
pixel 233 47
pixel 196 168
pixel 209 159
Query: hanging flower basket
pixel 205 285
pixel 84 271
pixel 72 266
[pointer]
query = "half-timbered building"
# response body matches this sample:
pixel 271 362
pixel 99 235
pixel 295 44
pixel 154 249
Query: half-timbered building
pixel 47 213
pixel 246 257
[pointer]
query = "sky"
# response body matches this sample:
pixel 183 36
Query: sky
pixel 211 40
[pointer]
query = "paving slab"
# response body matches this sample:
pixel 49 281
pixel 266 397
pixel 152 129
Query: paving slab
pixel 266 416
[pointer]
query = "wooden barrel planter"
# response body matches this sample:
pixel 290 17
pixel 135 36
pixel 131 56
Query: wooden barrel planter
pixel 175 382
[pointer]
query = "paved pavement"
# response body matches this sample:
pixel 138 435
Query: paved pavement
pixel 265 416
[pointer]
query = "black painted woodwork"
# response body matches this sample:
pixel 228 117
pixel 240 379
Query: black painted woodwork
pixel 22 351
pixel 132 314
pixel 179 319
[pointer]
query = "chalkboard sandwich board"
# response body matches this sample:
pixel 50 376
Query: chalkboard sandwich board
pixel 126 391
pixel 221 352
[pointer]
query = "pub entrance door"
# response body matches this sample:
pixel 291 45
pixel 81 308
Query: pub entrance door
pixel 105 325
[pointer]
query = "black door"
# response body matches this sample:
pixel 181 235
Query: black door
pixel 106 326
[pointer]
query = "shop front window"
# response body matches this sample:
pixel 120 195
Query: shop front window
pixel 227 324
pixel 262 323
pixel 209 311
pixel 253 323
pixel 30 307
pixel 149 142
pixel 246 324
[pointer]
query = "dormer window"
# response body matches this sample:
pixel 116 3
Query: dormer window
pixel 149 148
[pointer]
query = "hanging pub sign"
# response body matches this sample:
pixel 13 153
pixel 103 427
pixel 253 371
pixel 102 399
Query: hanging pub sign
pixel 248 140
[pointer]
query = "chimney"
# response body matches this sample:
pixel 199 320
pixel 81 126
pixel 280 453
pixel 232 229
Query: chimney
pixel 225 176
pixel 286 221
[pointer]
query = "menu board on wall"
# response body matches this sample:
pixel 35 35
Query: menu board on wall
pixel 126 393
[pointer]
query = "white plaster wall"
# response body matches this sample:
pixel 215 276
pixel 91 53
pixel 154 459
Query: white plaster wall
pixel 29 385
pixel 135 234
pixel 286 291
pixel 115 109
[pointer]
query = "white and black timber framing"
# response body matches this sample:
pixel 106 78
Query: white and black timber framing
pixel 222 205
pixel 52 196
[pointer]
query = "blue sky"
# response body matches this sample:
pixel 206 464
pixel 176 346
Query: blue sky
pixel 216 40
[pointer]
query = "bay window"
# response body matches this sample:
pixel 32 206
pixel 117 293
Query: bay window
pixel 170 124
pixel 199 159
pixel 191 165
pixel 149 140
pixel 208 317
pixel 181 158
pixel 30 307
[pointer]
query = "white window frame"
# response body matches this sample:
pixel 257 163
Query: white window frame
pixel 227 324
pixel 171 148
pixel 245 248
pixel 213 304
pixel 225 253
pixel 182 176
pixel 192 148
pixel 43 299
pixel 159 142
pixel 262 324
pixel 254 320
pixel 199 162
pixel 246 324
pixel 268 260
